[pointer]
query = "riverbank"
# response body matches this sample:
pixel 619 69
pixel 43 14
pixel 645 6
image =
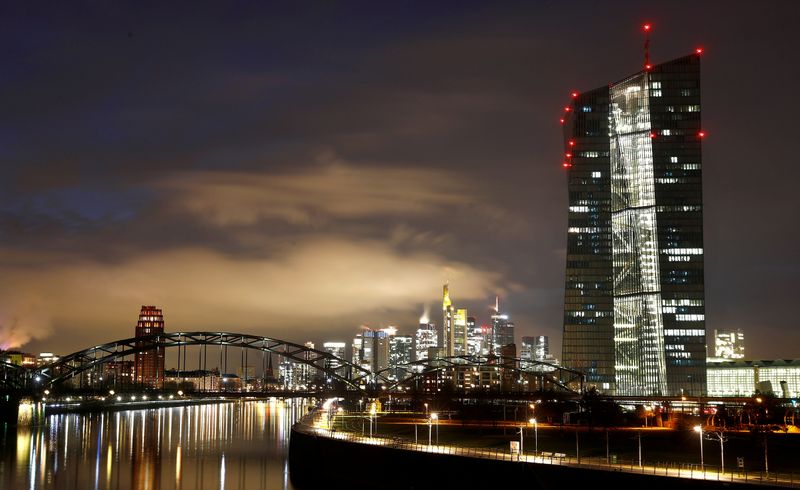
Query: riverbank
pixel 321 454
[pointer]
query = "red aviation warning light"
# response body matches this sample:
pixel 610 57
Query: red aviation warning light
pixel 562 121
pixel 574 95
pixel 701 134
pixel 699 50
pixel 652 135
pixel 571 143
pixel 567 109
pixel 646 27
pixel 566 165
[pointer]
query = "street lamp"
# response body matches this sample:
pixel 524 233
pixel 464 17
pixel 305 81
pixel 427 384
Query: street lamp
pixel 371 415
pixel 699 430
pixel 536 435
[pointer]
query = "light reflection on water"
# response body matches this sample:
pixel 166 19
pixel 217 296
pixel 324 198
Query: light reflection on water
pixel 230 445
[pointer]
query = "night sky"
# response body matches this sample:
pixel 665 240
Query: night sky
pixel 300 169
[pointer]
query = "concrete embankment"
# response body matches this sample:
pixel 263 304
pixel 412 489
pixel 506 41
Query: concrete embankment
pixel 318 461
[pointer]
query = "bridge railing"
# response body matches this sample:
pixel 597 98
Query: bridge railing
pixel 324 424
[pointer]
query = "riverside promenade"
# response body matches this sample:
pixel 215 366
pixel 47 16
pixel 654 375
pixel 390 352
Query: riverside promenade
pixel 326 438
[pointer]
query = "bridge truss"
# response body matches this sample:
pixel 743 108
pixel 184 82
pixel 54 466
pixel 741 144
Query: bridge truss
pixel 73 365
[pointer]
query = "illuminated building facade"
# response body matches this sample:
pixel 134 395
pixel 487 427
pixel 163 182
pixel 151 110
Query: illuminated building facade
pixel 401 352
pixel 426 337
pixel 454 326
pixel 337 349
pixel 502 329
pixel 18 358
pixel 119 372
pixel 149 364
pixel 634 309
pixel 743 378
pixel 729 344
pixel 479 338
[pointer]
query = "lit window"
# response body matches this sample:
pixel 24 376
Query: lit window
pixel 597 175
pixel 673 159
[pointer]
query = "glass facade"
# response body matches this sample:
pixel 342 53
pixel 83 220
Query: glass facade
pixel 781 377
pixel 634 304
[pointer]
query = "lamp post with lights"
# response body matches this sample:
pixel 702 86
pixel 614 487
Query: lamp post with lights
pixel 699 430
pixel 535 434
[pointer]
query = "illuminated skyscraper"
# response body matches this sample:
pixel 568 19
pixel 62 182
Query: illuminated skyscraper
pixel 454 326
pixel 634 310
pixel 149 364
pixel 502 328
pixel 337 349
pixel 729 344
pixel 426 338
pixel 401 352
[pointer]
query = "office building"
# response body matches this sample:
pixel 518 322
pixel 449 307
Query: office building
pixel 502 328
pixel 149 363
pixel 729 344
pixel 454 326
pixel 401 353
pixel 634 310
pixel 479 338
pixel 426 337
pixel 337 349
pixel 738 377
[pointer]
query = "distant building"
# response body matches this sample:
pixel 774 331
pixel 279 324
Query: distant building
pixel 454 323
pixel 46 358
pixel 337 349
pixel 478 337
pixel 401 352
pixel 230 382
pixel 149 364
pixel 426 338
pixel 18 358
pixel 729 344
pixel 197 380
pixel 743 378
pixel 119 372
pixel 376 349
pixel 502 329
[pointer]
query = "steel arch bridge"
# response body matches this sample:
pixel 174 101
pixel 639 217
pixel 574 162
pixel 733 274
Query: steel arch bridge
pixel 76 363
pixel 559 376
pixel 12 376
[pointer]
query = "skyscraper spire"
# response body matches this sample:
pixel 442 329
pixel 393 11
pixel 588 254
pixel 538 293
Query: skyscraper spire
pixel 497 304
pixel 446 297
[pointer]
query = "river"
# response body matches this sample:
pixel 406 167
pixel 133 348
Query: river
pixel 240 445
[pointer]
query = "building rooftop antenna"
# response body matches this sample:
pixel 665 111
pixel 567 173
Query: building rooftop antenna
pixel 647 27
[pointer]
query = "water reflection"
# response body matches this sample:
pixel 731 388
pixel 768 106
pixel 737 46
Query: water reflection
pixel 231 445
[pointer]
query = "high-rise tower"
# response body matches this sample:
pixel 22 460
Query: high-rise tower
pixel 634 310
pixel 502 328
pixel 454 326
pixel 149 363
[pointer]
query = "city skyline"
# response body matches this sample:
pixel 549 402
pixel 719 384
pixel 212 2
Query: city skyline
pixel 236 174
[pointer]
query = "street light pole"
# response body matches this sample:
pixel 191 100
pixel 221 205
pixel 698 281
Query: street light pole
pixel 699 430
pixel 536 435
pixel 430 424
pixel 640 448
